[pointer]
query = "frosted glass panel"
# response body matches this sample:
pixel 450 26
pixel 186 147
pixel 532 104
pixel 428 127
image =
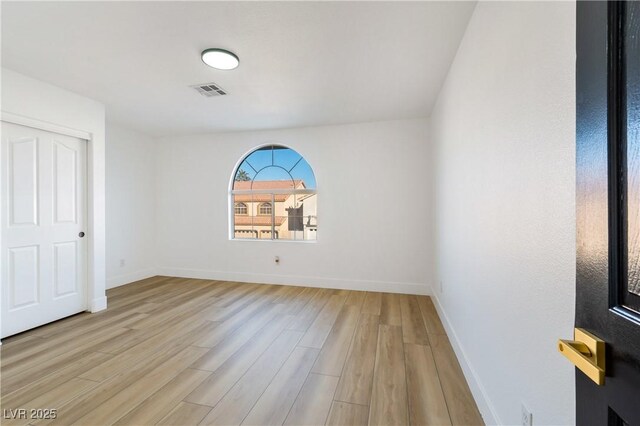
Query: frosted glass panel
pixel 632 45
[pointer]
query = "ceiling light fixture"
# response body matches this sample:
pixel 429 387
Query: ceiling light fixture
pixel 220 59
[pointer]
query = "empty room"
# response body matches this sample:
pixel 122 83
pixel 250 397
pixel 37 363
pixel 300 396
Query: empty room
pixel 320 213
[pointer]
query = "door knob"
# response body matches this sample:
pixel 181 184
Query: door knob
pixel 586 352
pixel 81 234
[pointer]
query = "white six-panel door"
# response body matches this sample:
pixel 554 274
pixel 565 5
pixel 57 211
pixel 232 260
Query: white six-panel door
pixel 43 217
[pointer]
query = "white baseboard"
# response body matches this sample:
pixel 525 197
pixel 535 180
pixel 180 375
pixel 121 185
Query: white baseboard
pixel 485 406
pixel 306 281
pixel 98 304
pixel 123 279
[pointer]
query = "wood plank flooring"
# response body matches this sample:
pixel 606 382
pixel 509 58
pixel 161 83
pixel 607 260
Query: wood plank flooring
pixel 176 351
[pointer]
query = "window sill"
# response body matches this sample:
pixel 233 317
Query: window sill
pixel 255 240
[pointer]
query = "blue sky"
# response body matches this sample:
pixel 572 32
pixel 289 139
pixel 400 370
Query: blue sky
pixel 262 159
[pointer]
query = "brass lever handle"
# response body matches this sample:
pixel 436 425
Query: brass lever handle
pixel 586 352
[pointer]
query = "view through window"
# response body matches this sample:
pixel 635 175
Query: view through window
pixel 274 196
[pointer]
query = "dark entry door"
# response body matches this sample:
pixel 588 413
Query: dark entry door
pixel 608 207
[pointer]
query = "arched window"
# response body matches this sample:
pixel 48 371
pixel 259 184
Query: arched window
pixel 240 208
pixel 277 188
pixel 265 208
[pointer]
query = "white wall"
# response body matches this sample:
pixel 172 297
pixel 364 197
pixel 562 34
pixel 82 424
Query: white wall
pixel 130 205
pixel 503 132
pixel 31 99
pixel 372 208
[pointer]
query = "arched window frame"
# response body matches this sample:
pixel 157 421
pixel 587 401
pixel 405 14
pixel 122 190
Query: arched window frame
pixel 265 209
pixel 294 191
pixel 239 207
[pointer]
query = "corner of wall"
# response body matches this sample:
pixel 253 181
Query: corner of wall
pixel 128 278
pixel 131 204
pixel 487 410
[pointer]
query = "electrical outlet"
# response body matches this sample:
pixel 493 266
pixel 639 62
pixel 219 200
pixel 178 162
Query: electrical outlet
pixel 526 416
pixel 122 263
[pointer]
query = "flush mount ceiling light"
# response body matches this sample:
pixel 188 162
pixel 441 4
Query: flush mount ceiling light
pixel 220 59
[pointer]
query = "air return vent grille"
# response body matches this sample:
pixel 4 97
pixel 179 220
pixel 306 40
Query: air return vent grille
pixel 209 90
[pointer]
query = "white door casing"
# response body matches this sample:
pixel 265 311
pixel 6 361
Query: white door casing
pixel 44 259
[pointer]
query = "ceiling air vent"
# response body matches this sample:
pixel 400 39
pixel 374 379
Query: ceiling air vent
pixel 209 90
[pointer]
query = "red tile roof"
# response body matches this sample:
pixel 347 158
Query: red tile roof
pixel 243 220
pixel 259 198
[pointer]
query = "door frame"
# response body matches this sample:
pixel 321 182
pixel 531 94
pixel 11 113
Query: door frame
pixel 95 299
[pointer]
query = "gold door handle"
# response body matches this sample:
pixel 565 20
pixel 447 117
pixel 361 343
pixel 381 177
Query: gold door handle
pixel 586 352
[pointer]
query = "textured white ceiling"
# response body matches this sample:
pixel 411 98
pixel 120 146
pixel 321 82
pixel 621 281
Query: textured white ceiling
pixel 301 63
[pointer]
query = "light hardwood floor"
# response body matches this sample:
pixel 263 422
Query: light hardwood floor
pixel 177 351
